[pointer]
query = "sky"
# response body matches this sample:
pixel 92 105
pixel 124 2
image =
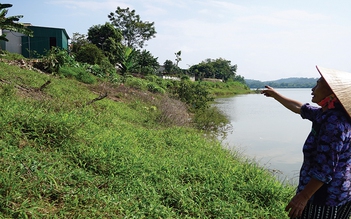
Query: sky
pixel 266 39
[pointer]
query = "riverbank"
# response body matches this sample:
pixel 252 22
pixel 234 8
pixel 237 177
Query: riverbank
pixel 67 152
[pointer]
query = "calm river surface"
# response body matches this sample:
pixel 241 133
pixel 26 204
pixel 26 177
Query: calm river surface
pixel 266 131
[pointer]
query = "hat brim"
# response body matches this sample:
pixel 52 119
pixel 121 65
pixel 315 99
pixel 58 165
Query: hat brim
pixel 340 83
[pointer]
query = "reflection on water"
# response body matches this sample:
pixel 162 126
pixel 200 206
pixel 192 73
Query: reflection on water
pixel 266 131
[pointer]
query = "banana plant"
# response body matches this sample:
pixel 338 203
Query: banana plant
pixel 127 62
pixel 11 23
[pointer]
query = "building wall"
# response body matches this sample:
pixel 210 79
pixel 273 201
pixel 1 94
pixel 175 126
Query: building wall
pixel 43 39
pixel 64 40
pixel 15 41
pixel 2 43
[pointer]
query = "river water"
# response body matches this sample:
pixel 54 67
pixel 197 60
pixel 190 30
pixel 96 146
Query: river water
pixel 267 132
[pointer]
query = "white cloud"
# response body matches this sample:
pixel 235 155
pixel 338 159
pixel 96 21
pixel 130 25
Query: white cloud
pixel 154 11
pixel 224 5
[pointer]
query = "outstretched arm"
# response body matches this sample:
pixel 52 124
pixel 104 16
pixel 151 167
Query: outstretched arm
pixel 290 104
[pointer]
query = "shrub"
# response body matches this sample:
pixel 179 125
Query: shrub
pixel 212 121
pixel 68 72
pixel 159 90
pixel 108 69
pixel 84 76
pixel 155 88
pixel 95 70
pixel 63 57
pixel 185 77
pixel 54 59
pixel 194 94
pixel 151 78
pixel 172 112
pixel 104 70
pixel 137 83
pixel 80 73
pixel 90 54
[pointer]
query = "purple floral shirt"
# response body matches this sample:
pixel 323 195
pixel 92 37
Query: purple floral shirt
pixel 327 155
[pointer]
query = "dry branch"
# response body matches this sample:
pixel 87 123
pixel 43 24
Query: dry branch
pixel 102 96
pixel 44 85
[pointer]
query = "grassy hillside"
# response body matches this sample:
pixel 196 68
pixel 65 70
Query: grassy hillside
pixel 67 151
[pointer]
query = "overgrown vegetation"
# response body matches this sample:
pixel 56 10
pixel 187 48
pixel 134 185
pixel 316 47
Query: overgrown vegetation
pixel 109 150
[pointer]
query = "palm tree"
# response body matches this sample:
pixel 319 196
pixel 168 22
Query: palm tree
pixel 11 23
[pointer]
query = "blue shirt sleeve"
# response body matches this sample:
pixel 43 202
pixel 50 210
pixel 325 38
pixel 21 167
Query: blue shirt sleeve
pixel 310 112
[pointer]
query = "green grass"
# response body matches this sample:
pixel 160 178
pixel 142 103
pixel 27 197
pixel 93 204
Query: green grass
pixel 62 158
pixel 227 89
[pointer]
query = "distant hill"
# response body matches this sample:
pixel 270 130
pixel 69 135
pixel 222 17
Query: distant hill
pixel 283 83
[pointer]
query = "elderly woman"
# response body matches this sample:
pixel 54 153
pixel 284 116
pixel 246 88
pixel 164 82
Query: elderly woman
pixel 324 189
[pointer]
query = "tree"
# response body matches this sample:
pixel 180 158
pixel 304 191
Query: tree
pixel 108 39
pixel 178 59
pixel 11 23
pixel 215 68
pixel 78 40
pixel 99 34
pixel 147 64
pixel 168 64
pixel 171 68
pixel 240 78
pixel 134 31
pixel 202 70
pixel 223 69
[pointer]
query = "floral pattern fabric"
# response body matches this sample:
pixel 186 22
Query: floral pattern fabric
pixel 327 155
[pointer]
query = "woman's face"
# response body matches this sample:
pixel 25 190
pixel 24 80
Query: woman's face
pixel 320 91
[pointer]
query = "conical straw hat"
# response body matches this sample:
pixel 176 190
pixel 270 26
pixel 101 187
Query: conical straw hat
pixel 340 83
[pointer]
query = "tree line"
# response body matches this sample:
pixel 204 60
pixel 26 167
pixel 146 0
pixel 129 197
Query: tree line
pixel 283 83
